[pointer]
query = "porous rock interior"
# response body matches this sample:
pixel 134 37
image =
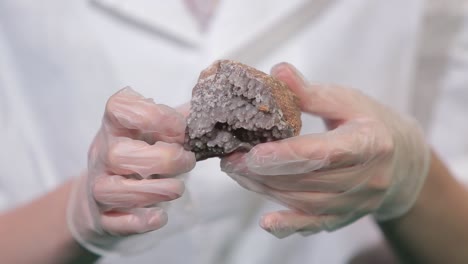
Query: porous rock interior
pixel 232 111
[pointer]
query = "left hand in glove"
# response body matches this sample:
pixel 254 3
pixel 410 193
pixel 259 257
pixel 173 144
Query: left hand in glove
pixel 371 161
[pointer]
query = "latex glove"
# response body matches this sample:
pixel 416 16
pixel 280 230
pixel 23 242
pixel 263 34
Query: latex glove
pixel 371 161
pixel 120 195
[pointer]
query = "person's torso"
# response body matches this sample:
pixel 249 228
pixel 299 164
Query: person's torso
pixel 66 58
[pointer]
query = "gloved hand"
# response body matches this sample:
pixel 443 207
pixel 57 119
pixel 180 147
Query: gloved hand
pixel 131 167
pixel 371 161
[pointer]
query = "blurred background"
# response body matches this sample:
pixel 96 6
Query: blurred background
pixel 61 60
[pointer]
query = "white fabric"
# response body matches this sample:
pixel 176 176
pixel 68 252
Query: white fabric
pixel 61 60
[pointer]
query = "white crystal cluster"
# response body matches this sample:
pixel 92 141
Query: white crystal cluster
pixel 232 110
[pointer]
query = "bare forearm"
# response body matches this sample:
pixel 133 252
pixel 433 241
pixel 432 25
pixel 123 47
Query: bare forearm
pixel 435 230
pixel 38 233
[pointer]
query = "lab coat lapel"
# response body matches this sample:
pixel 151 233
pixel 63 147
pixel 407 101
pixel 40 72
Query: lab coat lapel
pixel 170 19
pixel 265 24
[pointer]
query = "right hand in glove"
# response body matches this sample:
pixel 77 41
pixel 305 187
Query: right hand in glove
pixel 119 195
pixel 373 160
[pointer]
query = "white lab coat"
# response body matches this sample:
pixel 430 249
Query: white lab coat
pixel 61 60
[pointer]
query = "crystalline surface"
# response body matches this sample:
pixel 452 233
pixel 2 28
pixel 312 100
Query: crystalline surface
pixel 232 111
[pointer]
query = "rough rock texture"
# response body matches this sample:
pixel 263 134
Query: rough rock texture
pixel 235 107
